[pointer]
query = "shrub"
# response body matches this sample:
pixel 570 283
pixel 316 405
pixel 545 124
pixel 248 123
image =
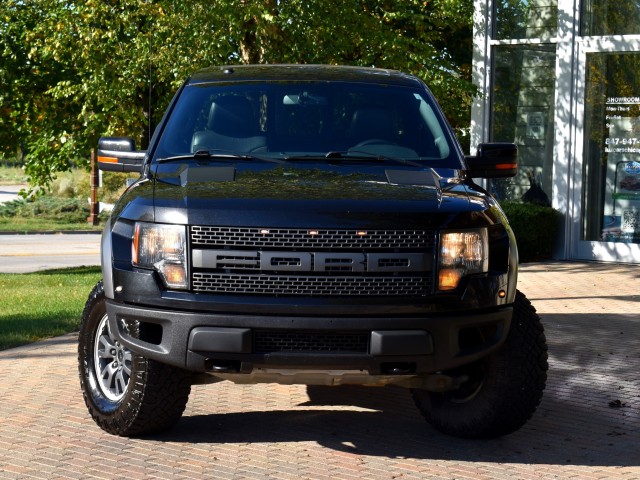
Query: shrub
pixel 67 210
pixel 113 185
pixel 66 184
pixel 535 228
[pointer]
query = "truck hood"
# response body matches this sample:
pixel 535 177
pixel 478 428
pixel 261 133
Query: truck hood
pixel 311 195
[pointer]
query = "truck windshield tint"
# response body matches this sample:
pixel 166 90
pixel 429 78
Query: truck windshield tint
pixel 285 120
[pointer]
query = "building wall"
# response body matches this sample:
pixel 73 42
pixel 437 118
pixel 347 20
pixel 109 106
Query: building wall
pixel 531 63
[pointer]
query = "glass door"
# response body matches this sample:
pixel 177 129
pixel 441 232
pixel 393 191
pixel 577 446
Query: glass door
pixel 608 162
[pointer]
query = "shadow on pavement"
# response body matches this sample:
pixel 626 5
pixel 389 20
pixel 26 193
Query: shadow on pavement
pixel 393 429
pixel 588 416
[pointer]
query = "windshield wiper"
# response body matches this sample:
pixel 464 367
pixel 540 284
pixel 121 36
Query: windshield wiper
pixel 368 156
pixel 217 155
pixel 349 155
pixel 204 154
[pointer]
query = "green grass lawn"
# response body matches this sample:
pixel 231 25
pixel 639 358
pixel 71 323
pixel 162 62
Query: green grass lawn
pixel 44 304
pixel 62 205
pixel 31 225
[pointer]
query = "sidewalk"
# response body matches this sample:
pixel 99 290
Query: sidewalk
pixel 588 425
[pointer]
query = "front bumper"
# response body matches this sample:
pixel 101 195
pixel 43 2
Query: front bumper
pixel 227 343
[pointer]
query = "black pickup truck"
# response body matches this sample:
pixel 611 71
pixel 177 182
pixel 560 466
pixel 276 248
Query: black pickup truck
pixel 314 225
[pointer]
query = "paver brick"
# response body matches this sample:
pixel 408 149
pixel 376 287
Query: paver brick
pixel 587 426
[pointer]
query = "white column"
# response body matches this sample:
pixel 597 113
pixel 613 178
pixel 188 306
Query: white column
pixel 481 73
pixel 567 121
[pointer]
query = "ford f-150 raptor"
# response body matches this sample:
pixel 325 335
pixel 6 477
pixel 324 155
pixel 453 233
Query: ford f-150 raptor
pixel 317 225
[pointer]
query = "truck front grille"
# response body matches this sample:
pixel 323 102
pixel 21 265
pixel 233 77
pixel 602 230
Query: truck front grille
pixel 304 262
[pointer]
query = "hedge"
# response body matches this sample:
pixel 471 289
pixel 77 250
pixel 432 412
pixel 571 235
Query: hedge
pixel 535 228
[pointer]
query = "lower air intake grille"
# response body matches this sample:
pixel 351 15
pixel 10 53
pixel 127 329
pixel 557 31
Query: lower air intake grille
pixel 269 342
pixel 310 285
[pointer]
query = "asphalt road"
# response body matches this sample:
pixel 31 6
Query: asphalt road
pixel 34 252
pixel 9 192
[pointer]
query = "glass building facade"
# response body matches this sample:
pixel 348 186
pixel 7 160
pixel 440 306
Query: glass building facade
pixel 561 79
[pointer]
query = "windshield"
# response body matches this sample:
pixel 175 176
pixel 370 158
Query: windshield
pixel 284 120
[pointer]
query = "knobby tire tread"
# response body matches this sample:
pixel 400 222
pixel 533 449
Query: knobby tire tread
pixel 512 388
pixel 157 393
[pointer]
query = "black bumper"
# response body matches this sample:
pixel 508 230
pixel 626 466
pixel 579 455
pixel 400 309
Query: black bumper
pixel 229 343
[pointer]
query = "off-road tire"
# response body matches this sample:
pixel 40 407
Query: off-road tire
pixel 148 397
pixel 503 390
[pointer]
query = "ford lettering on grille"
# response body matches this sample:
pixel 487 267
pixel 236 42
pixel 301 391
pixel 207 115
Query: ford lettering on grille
pixel 281 261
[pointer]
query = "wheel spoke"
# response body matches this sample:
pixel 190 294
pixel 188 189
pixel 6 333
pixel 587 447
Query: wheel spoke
pixel 105 347
pixel 106 374
pixel 113 363
pixel 120 384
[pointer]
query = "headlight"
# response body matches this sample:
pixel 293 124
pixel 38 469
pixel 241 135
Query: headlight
pixel 163 248
pixel 461 253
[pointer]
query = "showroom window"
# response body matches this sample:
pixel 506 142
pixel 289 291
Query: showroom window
pixel 525 19
pixel 611 160
pixel 523 94
pixel 610 17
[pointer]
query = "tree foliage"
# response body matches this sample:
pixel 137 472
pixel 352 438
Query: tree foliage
pixel 72 71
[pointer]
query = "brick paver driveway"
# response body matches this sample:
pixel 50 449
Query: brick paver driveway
pixel 588 425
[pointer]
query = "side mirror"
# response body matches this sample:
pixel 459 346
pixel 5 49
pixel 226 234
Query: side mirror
pixel 119 154
pixel 494 160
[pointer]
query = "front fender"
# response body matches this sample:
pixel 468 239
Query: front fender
pixel 106 259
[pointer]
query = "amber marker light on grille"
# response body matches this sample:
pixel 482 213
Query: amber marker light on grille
pixel 313 232
pixel 361 233
pixel 264 231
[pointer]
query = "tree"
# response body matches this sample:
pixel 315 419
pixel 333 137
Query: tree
pixel 73 71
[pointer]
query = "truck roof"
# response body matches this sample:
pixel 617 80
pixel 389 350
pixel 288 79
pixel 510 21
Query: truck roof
pixel 244 73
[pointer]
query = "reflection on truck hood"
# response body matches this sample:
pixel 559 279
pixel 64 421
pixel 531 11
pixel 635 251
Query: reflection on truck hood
pixel 247 193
